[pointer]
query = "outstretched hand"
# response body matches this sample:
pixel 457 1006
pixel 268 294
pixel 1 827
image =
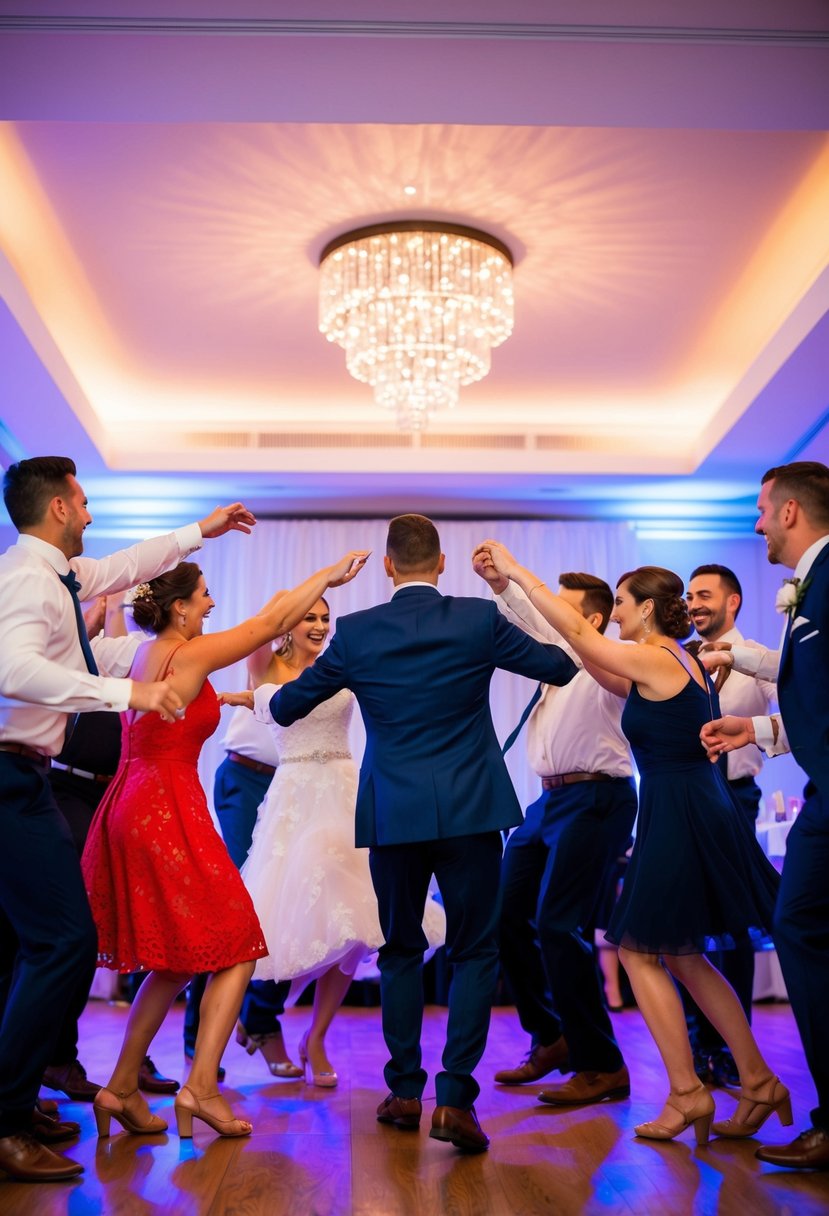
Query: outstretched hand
pixel 235 518
pixel 726 734
pixel 348 567
pixel 494 557
pixel 94 616
pixel 236 698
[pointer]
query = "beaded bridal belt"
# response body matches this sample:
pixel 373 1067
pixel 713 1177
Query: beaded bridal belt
pixel 318 757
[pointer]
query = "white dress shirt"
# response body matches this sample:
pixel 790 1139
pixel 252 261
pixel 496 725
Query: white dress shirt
pixel 575 728
pixel 747 697
pixel 763 664
pixel 43 674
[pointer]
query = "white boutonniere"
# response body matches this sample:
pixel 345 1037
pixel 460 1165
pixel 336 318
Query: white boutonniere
pixel 790 595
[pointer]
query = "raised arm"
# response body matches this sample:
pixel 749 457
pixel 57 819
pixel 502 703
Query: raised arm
pixel 613 664
pixel 203 655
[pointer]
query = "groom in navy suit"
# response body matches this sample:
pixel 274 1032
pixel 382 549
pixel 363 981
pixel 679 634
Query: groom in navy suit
pixel 794 518
pixel 433 797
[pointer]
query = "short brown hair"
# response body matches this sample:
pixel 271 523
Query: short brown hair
pixel 726 576
pixel 807 481
pixel 597 594
pixel 666 589
pixel 413 544
pixel 30 485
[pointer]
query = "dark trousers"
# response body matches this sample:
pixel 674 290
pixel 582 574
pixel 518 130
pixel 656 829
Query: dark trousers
pixel 78 799
pixel 801 935
pixel 48 943
pixel 237 794
pixel 736 965
pixel 467 869
pixel 556 868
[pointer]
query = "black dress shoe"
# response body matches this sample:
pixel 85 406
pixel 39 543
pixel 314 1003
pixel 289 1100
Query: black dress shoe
pixel 49 1130
pixel 459 1127
pixel 810 1151
pixel 188 1055
pixel 402 1112
pixel 71 1080
pixel 151 1080
pixel 537 1064
pixel 23 1158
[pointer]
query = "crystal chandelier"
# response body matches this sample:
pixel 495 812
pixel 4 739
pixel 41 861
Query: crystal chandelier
pixel 417 306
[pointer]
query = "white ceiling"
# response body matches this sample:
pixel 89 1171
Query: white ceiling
pixel 167 182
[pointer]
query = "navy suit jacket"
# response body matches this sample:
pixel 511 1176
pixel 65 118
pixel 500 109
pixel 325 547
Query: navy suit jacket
pixel 420 667
pixel 803 680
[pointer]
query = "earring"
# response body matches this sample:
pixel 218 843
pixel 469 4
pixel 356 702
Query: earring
pixel 646 627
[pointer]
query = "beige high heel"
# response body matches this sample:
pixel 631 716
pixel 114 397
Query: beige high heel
pixel 697 1111
pixel 769 1096
pixel 189 1108
pixel 323 1080
pixel 105 1111
pixel 263 1042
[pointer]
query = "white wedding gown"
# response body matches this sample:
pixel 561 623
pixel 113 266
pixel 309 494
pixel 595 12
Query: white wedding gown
pixel 310 886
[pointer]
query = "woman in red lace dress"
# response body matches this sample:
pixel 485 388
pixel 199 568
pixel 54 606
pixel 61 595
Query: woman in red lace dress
pixel 164 893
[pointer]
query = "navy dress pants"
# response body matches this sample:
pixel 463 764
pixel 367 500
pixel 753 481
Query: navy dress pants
pixel 48 942
pixel 801 935
pixel 556 869
pixel 467 869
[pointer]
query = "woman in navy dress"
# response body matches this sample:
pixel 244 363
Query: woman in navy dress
pixel 697 880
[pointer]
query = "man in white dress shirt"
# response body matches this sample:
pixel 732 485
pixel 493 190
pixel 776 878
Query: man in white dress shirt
pixel 558 863
pixel 48 943
pixel 714 598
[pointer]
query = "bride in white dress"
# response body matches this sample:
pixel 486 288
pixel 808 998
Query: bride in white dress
pixel 310 886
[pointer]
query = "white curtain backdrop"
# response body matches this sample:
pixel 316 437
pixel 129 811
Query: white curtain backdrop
pixel 242 573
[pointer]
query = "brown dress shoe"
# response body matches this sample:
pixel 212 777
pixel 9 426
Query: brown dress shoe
pixel 49 1130
pixel 810 1151
pixel 402 1112
pixel 24 1159
pixel 537 1063
pixel 459 1127
pixel 71 1080
pixel 586 1087
pixel 151 1080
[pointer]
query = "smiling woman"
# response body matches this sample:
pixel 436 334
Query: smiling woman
pixel 165 895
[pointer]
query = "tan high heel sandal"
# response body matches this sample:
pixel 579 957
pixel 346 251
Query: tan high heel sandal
pixel 260 1042
pixel 105 1110
pixel 769 1096
pixel 322 1080
pixel 189 1107
pixel 697 1111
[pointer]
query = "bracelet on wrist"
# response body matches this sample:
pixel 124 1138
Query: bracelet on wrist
pixel 535 588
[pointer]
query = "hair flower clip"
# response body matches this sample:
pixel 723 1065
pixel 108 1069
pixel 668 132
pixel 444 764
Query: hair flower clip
pixel 141 592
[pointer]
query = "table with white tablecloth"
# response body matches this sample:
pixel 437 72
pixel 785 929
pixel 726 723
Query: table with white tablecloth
pixel 768 978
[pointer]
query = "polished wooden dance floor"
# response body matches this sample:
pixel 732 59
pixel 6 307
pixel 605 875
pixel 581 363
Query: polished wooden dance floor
pixel 321 1152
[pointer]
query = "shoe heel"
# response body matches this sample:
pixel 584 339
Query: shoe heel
pixel 784 1112
pixel 184 1123
pixel 244 1040
pixel 702 1128
pixel 102 1120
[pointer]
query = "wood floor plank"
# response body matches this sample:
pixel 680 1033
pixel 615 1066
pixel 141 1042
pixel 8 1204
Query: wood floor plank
pixel 318 1152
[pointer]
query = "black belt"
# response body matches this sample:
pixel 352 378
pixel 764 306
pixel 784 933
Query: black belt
pixel 553 783
pixel 267 770
pixel 740 782
pixel 100 778
pixel 23 749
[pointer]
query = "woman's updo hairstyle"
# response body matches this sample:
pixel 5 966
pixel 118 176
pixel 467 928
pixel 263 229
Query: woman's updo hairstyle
pixel 666 589
pixel 152 603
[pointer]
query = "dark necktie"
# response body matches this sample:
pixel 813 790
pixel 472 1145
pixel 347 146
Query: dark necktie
pixel 531 704
pixel 72 585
